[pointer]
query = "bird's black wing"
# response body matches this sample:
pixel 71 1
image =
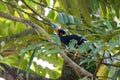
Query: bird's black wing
pixel 78 38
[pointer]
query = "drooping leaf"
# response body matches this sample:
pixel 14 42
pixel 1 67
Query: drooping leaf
pixel 31 47
pixel 30 62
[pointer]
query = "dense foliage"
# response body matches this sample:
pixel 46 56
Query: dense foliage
pixel 96 20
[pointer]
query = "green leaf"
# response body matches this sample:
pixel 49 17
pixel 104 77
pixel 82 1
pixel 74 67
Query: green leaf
pixel 11 60
pixel 87 60
pixel 61 18
pixel 31 47
pixel 38 68
pixel 116 74
pixel 2 7
pixel 113 44
pixel 116 32
pixel 72 44
pixel 51 14
pixel 30 62
pixel 55 59
pixel 1 57
pixel 53 74
pixel 56 39
pixel 76 20
pixel 84 78
pixel 103 7
pixel 65 17
pixel 71 19
pixel 56 50
pixel 2 68
pixel 65 4
pixel 100 48
pixel 115 7
pixel 84 11
pixel 108 24
pixel 43 49
pixel 94 4
pixel 74 8
pixel 85 46
pixel 11 9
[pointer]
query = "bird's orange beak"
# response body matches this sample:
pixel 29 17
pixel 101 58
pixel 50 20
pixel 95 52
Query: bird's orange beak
pixel 56 30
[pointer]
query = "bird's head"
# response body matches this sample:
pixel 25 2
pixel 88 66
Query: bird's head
pixel 60 32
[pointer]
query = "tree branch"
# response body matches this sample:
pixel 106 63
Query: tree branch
pixel 27 22
pixel 21 34
pixel 45 6
pixel 10 73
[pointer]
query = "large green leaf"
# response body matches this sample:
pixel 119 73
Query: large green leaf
pixel 31 47
pixel 67 19
pixel 30 62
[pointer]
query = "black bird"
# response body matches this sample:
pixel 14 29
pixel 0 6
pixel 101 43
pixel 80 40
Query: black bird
pixel 67 38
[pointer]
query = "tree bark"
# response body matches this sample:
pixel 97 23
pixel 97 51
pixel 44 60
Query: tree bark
pixel 10 73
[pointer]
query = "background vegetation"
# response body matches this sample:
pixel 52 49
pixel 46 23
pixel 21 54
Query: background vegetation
pixel 33 50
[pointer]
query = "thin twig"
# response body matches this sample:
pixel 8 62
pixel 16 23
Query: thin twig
pixel 105 77
pixel 108 64
pixel 112 55
pixel 35 12
pixel 99 64
pixel 46 6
